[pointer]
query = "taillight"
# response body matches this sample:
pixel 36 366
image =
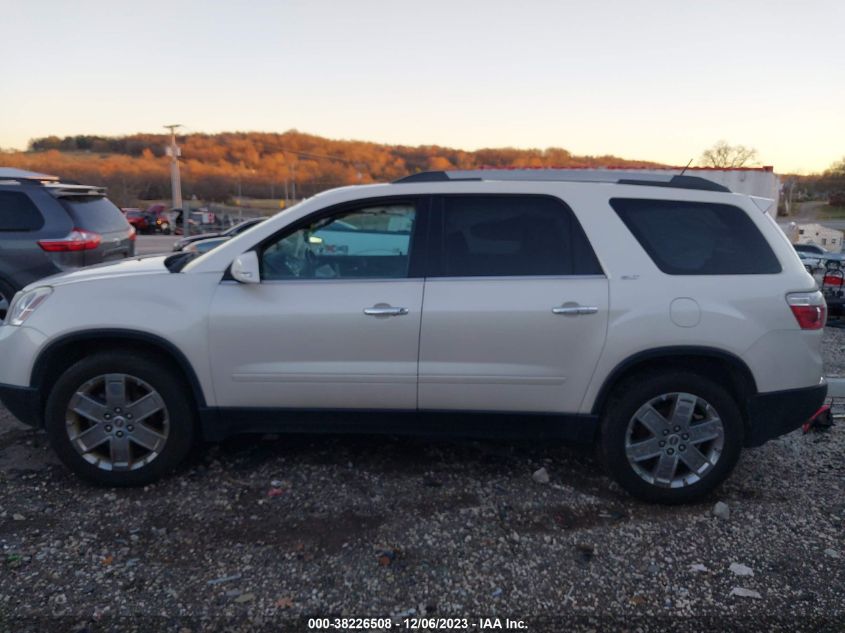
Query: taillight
pixel 76 240
pixel 809 308
pixel 833 280
pixel 132 233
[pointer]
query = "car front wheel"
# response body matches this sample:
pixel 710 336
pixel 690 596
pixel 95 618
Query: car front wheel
pixel 119 419
pixel 671 437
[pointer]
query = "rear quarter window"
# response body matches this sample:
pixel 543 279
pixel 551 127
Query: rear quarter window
pixel 697 238
pixel 18 212
pixel 95 213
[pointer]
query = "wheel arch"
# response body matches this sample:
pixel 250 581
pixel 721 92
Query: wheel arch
pixel 717 364
pixel 61 353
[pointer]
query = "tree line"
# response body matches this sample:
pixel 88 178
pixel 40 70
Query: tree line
pixel 222 167
pixel 219 167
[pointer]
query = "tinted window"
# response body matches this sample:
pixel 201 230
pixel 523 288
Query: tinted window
pixel 95 213
pixel 497 236
pixel 373 242
pixel 18 212
pixel 697 238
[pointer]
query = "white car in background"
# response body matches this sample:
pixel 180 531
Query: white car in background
pixel 817 254
pixel 665 320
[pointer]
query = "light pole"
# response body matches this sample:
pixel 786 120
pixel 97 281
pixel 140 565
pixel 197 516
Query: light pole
pixel 175 179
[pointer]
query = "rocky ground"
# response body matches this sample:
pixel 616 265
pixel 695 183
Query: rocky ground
pixel 265 533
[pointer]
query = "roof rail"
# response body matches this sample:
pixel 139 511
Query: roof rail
pixel 23 181
pixel 25 175
pixel 57 187
pixel 617 176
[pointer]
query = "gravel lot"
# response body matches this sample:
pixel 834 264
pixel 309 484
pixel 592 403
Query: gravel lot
pixel 264 532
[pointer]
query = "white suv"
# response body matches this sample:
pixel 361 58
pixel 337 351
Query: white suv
pixel 668 321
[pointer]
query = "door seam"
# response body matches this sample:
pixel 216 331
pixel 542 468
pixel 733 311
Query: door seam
pixel 419 342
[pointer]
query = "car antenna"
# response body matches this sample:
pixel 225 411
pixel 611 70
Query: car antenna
pixel 685 168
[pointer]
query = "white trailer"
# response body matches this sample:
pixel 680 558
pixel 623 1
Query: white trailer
pixel 753 181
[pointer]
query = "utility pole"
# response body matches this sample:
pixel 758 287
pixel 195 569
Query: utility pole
pixel 175 180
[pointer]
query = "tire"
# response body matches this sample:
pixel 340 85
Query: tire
pixel 6 294
pixel 704 450
pixel 156 442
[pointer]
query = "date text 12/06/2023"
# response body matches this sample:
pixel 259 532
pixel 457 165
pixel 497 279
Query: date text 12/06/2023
pixel 424 624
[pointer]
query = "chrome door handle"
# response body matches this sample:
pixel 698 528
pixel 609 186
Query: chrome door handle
pixel 575 310
pixel 383 310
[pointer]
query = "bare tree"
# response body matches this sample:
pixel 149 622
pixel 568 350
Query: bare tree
pixel 724 155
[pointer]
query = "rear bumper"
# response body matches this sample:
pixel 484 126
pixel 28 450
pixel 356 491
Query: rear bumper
pixel 776 413
pixel 22 402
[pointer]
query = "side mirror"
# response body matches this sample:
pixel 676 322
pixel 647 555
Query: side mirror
pixel 245 268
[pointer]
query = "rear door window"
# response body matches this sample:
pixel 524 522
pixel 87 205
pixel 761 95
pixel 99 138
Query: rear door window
pixel 18 212
pixel 697 238
pixel 95 213
pixel 511 236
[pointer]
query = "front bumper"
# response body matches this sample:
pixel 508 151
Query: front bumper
pixel 776 413
pixel 22 402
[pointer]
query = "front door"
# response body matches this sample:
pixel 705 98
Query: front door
pixel 516 307
pixel 334 322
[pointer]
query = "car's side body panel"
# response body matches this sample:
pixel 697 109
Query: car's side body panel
pixel 308 343
pixel 21 260
pixel 145 299
pixel 494 343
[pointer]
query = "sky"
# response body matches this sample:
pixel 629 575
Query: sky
pixel 652 79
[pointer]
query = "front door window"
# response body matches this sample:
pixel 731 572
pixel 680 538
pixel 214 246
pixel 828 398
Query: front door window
pixel 368 243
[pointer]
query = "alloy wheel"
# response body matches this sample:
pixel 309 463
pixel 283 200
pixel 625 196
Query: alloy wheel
pixel 674 440
pixel 117 422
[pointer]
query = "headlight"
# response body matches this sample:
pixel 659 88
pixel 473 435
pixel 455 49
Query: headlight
pixel 25 304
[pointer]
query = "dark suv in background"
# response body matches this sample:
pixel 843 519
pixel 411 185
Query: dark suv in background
pixel 48 226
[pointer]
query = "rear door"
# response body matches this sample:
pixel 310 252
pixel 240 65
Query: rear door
pixel 516 306
pixel 99 215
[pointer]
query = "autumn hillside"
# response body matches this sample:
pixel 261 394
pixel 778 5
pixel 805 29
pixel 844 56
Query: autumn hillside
pixel 215 165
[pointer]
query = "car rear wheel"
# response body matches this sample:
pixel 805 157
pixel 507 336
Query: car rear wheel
pixel 119 419
pixel 671 437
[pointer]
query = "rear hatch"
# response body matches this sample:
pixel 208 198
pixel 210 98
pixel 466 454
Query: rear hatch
pixel 99 216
